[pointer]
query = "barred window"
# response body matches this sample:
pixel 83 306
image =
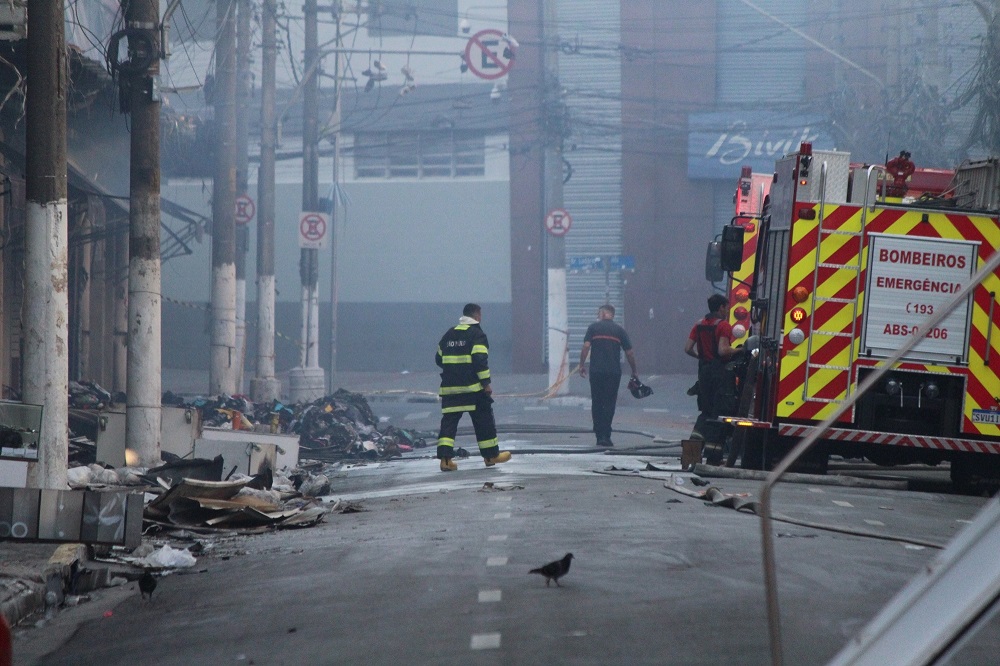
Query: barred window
pixel 419 154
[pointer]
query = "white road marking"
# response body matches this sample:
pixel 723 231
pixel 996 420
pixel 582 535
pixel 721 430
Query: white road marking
pixel 489 596
pixel 842 503
pixel 816 490
pixel 502 515
pixel 416 415
pixel 967 522
pixel 497 537
pixel 496 561
pixel 656 409
pixel 485 641
pixel 878 523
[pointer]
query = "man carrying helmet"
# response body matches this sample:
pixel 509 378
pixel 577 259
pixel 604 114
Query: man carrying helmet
pixel 608 340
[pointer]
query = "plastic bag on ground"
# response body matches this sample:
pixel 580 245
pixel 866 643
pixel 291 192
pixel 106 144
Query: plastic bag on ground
pixel 169 558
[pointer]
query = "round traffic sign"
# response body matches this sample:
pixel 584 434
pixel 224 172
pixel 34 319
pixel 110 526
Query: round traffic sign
pixel 558 222
pixel 245 209
pixel 488 55
pixel 313 227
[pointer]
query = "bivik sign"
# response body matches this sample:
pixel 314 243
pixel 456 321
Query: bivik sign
pixel 719 143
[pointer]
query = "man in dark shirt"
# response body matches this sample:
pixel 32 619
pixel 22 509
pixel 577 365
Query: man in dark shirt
pixel 604 342
pixel 710 341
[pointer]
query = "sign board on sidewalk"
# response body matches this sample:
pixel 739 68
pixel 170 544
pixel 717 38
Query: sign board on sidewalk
pixel 488 55
pixel 558 222
pixel 313 230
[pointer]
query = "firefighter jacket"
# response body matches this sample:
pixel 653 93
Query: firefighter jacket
pixel 463 356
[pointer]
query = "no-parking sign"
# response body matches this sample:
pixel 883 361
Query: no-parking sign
pixel 558 222
pixel 488 55
pixel 312 230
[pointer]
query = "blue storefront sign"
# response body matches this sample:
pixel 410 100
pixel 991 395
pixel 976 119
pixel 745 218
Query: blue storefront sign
pixel 719 143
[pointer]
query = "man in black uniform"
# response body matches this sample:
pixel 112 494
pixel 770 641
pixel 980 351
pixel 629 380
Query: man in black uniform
pixel 608 340
pixel 463 356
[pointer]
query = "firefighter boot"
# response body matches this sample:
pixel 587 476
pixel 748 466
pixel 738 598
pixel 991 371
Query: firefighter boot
pixel 448 465
pixel 501 457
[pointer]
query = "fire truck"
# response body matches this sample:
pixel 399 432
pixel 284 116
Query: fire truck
pixel 844 268
pixel 751 189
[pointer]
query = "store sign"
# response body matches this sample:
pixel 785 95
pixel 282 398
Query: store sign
pixel 720 143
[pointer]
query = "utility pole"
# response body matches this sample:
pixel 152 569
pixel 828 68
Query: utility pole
pixel 222 375
pixel 143 364
pixel 307 381
pixel 333 209
pixel 555 255
pixel 243 93
pixel 46 301
pixel 264 387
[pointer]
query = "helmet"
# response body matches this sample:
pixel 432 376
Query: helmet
pixel 638 389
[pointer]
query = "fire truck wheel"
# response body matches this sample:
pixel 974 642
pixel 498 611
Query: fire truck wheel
pixel 753 452
pixel 962 472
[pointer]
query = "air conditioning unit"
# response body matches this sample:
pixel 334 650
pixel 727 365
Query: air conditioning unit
pixel 13 20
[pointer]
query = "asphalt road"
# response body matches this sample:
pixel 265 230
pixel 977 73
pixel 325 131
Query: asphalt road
pixel 434 570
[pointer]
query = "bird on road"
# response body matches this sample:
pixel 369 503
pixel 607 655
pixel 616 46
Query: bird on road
pixel 554 570
pixel 146 585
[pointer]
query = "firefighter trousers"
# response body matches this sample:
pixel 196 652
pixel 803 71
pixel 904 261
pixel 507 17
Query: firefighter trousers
pixel 483 422
pixel 603 401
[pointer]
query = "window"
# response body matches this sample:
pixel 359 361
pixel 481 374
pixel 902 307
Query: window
pixel 419 155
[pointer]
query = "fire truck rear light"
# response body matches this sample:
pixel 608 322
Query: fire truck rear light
pixel 798 315
pixel 742 294
pixel 931 390
pixel 804 182
pixel 800 294
pixel 807 213
pixel 741 313
pixel 797 336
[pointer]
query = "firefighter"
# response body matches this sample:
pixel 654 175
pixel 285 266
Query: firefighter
pixel 608 340
pixel 463 356
pixel 710 342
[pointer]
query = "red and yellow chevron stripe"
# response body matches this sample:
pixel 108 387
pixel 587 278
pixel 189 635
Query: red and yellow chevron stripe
pixel 815 376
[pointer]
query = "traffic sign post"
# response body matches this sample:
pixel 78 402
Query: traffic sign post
pixel 484 56
pixel 246 209
pixel 312 230
pixel 558 222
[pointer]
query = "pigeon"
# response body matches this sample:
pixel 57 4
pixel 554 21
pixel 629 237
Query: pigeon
pixel 554 570
pixel 146 585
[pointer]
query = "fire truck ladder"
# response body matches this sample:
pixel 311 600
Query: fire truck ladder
pixel 851 334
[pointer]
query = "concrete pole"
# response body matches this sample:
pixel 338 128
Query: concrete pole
pixel 310 181
pixel 333 211
pixel 46 302
pixel 143 381
pixel 243 93
pixel 222 372
pixel 264 387
pixel 307 381
pixel 558 315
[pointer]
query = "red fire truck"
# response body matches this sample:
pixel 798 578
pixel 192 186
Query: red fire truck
pixel 842 272
pixel 751 190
